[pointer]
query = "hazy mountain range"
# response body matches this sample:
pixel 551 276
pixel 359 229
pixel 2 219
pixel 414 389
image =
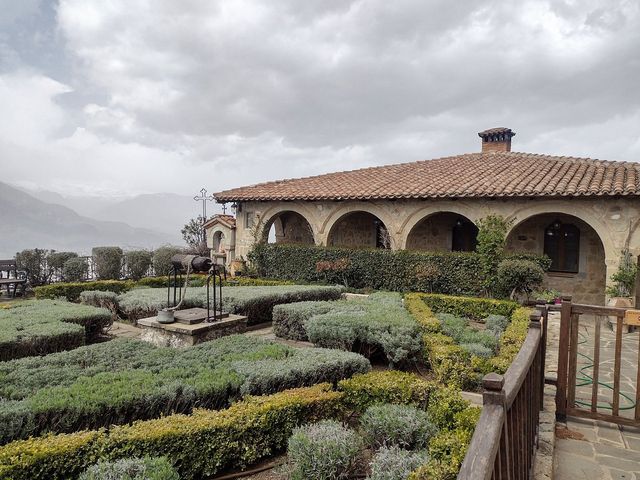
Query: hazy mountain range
pixel 43 219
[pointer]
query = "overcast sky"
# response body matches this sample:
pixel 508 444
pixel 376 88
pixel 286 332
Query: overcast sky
pixel 122 97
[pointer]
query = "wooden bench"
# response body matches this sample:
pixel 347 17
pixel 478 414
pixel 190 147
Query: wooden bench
pixel 12 278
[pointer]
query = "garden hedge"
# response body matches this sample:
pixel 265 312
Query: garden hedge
pixel 443 272
pixel 208 442
pixel 451 362
pixel 374 325
pixel 72 290
pixel 255 302
pixel 470 307
pixel 39 327
pixel 124 380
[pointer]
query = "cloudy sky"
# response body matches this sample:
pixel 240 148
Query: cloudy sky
pixel 122 97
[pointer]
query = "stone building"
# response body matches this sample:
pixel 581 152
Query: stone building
pixel 581 212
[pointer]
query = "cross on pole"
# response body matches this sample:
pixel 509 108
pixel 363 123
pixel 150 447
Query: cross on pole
pixel 204 198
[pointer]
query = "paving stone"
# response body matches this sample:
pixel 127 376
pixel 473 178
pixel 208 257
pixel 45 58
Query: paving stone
pixel 633 443
pixel 611 451
pixel 577 447
pixel 609 432
pixel 576 467
pixel 621 474
pixel 617 462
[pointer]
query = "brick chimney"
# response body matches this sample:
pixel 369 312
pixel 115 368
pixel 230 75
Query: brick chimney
pixel 496 140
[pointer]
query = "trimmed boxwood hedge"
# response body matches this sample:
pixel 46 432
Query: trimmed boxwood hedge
pixel 39 327
pixel 470 307
pixel 125 380
pixel 443 272
pixel 72 290
pixel 208 442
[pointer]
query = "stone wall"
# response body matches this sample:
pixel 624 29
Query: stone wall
pixel 586 286
pixel 354 230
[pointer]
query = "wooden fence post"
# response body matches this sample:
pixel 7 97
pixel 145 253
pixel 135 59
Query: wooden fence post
pixel 563 359
pixel 494 394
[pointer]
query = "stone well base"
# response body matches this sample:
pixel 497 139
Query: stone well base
pixel 181 335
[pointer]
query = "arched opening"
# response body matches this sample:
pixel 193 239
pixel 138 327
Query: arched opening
pixel 577 254
pixel 359 229
pixel 218 242
pixel 443 232
pixel 288 227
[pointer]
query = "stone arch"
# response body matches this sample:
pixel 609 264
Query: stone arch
pixel 587 283
pixel 290 227
pixel 219 241
pixel 470 212
pixel 442 231
pixel 580 212
pixel 359 228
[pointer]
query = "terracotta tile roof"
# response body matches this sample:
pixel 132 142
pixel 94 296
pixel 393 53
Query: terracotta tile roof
pixel 230 220
pixel 507 174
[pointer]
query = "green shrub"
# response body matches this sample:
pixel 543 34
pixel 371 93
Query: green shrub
pixel 453 273
pixel 100 299
pixel 199 445
pixel 255 302
pixel 138 263
pixel 388 386
pixel 72 290
pixel 446 454
pixel 496 324
pixel 511 340
pixel 377 324
pixel 477 349
pixel 326 450
pixel 470 307
pixel 518 277
pixel 393 463
pixel 289 319
pixel 147 468
pixel 123 380
pixel 107 262
pixel 38 327
pixel 56 260
pixel 75 269
pixel 492 236
pixel 403 426
pixel 162 259
pixel 34 262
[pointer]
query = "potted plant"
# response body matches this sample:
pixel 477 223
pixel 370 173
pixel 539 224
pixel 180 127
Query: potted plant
pixel 623 282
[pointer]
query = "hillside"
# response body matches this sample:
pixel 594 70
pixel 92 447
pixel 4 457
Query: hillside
pixel 27 222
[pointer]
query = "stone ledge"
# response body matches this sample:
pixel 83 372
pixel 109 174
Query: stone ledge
pixel 543 462
pixel 182 335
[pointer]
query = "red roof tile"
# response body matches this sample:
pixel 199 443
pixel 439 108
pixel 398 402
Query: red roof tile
pixel 506 174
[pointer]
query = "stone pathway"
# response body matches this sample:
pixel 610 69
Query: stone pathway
pixel 124 330
pixel 590 449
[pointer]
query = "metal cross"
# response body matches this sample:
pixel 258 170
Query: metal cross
pixel 204 199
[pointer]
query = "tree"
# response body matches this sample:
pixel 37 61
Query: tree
pixel 194 236
pixel 492 236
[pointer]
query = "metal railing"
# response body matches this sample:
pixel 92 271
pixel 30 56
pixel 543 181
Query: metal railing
pixel 506 436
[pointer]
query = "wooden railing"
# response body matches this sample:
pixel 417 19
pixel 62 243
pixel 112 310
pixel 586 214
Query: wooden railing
pixel 506 436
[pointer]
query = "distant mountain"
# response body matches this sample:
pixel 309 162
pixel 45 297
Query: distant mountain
pixel 164 212
pixel 161 212
pixel 27 222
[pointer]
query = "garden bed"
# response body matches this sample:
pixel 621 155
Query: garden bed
pixel 254 302
pixel 376 325
pixel 124 380
pixel 37 327
pixel 209 442
pixel 465 338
